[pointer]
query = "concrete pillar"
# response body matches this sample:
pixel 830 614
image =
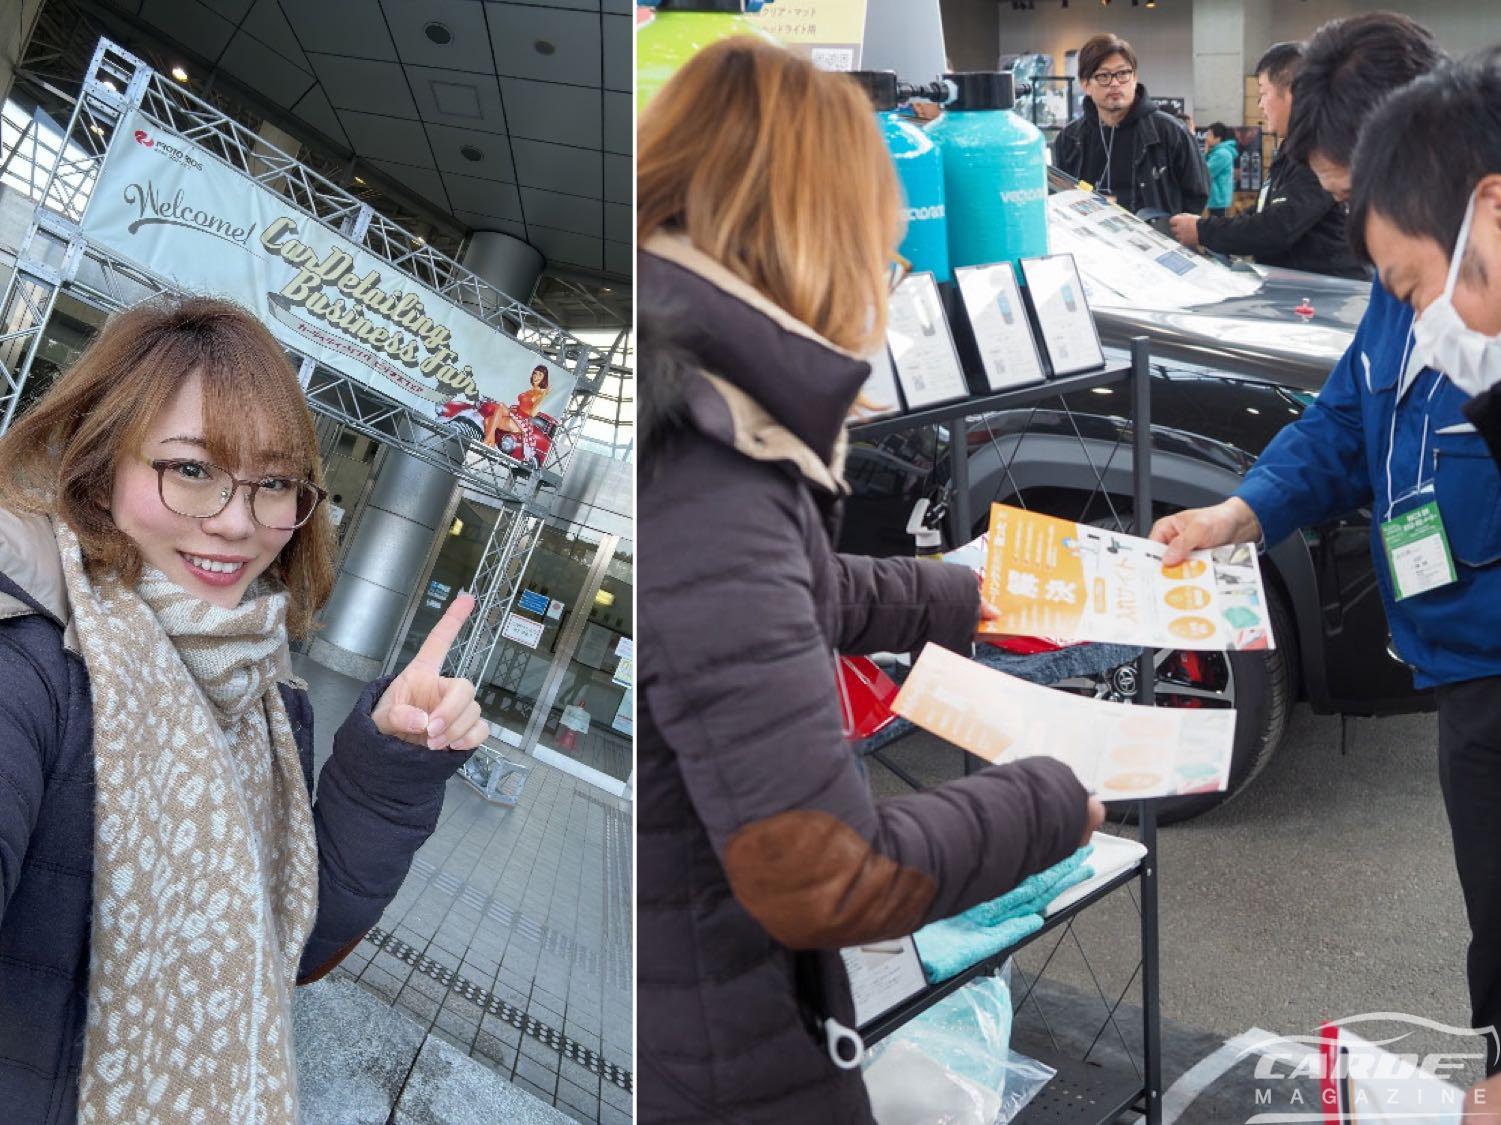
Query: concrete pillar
pixel 509 263
pixel 1220 61
pixel 405 513
pixel 16 25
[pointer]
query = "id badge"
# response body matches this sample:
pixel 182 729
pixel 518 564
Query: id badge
pixel 1417 549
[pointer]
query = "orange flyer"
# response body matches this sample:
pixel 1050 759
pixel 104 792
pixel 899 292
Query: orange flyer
pixel 1118 751
pixel 1055 578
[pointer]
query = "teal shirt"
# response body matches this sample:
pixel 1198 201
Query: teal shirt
pixel 1221 161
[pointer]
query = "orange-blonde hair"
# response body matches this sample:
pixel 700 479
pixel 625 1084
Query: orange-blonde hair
pixel 59 458
pixel 777 171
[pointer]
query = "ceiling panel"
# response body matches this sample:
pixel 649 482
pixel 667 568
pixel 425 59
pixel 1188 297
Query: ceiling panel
pixel 546 111
pixel 516 30
pixel 619 258
pixel 619 223
pixel 493 151
pixel 578 171
pixel 424 181
pixel 619 39
pixel 363 84
pixel 485 222
pixel 265 71
pixel 232 10
pixel 620 122
pixel 268 23
pixel 457 98
pixel 619 179
pixel 576 5
pixel 315 110
pixel 563 212
pixel 341 27
pixel 565 246
pixel 386 138
pixel 467 49
pixel 484 197
pixel 191 24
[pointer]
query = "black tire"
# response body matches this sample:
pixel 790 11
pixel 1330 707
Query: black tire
pixel 1262 688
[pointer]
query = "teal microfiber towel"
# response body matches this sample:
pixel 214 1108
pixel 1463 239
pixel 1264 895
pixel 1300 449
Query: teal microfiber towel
pixel 1032 894
pixel 949 947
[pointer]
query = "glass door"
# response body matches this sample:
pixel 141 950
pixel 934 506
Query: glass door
pixel 540 630
pixel 586 705
pixel 453 570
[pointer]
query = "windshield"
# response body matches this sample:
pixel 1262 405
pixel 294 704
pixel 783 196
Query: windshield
pixel 1126 261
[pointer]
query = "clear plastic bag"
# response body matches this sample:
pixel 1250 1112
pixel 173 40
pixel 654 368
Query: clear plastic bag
pixel 953 1064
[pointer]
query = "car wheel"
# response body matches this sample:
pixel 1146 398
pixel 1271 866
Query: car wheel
pixel 1260 686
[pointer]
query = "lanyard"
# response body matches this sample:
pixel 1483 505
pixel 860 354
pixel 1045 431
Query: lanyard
pixel 1403 383
pixel 1106 181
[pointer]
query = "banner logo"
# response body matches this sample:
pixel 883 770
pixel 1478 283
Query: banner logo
pixel 143 138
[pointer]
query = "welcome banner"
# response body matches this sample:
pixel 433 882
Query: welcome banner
pixel 179 212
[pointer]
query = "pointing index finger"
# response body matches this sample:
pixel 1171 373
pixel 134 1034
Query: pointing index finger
pixel 445 632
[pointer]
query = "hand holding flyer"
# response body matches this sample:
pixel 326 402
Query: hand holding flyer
pixel 1057 578
pixel 1118 751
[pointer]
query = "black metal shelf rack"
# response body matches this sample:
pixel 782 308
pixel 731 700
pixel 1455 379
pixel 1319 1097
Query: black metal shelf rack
pixel 1081 1092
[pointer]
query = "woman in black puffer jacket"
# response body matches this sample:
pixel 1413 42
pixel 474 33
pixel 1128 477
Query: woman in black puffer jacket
pixel 767 216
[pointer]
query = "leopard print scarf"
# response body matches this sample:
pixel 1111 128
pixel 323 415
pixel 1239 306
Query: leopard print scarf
pixel 205 859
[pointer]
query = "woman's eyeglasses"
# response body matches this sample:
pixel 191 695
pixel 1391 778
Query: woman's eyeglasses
pixel 199 490
pixel 897 273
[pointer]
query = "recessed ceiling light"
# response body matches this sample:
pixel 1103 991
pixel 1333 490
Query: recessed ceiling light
pixel 179 73
pixel 544 47
pixel 438 33
pixel 469 152
pixel 359 180
pixel 419 241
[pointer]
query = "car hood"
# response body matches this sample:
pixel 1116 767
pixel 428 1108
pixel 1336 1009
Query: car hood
pixel 1292 330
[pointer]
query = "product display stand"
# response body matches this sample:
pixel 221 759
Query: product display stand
pixel 1081 1091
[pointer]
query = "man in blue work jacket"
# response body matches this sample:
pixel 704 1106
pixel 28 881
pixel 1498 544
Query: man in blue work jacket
pixel 1389 430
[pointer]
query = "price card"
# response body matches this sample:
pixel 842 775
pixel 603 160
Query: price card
pixel 927 366
pixel 1063 316
pixel 999 319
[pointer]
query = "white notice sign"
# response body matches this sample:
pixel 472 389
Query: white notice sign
pixel 522 630
pixel 1002 331
pixel 927 367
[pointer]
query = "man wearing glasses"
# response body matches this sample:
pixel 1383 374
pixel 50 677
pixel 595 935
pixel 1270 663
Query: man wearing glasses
pixel 1124 145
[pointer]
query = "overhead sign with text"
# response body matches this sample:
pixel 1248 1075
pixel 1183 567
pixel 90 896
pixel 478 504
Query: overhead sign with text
pixel 179 212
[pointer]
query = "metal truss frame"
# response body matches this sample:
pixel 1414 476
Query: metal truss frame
pixel 55 257
pixel 496 582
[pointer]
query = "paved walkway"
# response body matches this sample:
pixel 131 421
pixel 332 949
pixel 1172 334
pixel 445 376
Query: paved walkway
pixel 511 937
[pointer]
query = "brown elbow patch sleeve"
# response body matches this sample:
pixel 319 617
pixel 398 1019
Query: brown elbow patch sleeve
pixel 814 883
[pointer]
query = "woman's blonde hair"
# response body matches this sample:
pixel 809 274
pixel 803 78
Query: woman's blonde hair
pixel 60 457
pixel 777 171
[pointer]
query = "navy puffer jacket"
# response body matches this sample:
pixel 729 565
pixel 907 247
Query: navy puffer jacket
pixel 378 800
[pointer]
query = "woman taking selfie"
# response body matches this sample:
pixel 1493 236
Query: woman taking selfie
pixel 164 876
pixel 768 216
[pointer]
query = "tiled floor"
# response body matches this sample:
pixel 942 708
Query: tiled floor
pixel 511 937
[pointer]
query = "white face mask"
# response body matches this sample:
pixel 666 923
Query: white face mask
pixel 1442 340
